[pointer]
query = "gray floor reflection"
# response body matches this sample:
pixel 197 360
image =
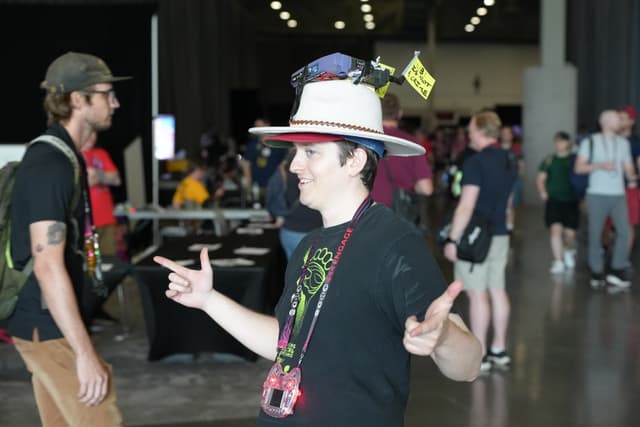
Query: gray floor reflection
pixel 489 402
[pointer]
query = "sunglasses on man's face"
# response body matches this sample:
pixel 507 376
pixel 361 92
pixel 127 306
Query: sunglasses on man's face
pixel 110 94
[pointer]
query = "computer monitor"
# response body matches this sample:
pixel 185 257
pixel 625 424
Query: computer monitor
pixel 164 136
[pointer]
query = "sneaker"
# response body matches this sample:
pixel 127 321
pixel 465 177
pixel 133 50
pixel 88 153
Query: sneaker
pixel 500 358
pixel 557 267
pixel 485 366
pixel 619 278
pixel 597 281
pixel 569 257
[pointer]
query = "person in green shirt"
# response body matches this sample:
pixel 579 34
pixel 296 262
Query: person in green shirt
pixel 561 214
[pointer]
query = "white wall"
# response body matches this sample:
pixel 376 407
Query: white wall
pixel 500 69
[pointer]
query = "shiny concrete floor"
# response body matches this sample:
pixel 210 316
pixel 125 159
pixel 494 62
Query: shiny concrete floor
pixel 576 362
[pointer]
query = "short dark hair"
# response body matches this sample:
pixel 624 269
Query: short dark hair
pixel 195 164
pixel 368 172
pixel 562 135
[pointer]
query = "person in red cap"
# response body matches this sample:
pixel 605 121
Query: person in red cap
pixel 362 293
pixel 73 385
pixel 628 116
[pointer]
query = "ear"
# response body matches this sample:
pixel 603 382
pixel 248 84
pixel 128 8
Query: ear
pixel 76 99
pixel 357 161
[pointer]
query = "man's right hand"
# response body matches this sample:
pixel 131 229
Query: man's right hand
pixel 93 378
pixel 188 287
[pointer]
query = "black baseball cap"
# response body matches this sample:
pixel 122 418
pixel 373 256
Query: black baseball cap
pixel 76 71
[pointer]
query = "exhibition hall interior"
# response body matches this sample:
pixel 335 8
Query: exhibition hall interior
pixel 205 71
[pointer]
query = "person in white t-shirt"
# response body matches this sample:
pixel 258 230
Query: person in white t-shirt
pixel 610 159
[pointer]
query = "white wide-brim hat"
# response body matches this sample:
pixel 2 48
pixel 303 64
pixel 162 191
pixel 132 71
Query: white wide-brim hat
pixel 341 108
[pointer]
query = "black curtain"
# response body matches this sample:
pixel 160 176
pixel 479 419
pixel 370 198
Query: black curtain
pixel 604 45
pixel 206 52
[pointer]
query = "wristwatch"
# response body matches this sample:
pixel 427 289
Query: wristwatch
pixel 450 240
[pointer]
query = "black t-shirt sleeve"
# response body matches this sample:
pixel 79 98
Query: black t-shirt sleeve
pixel 50 186
pixel 409 280
pixel 472 172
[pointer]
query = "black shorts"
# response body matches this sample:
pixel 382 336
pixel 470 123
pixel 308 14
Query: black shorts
pixel 565 213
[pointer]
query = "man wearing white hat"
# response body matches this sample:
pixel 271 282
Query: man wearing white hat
pixel 362 293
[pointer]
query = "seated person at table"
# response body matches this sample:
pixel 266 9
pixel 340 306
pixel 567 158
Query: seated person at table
pixel 192 192
pixel 368 273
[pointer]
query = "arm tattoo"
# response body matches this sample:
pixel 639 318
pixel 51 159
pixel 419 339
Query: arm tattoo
pixel 39 248
pixel 56 233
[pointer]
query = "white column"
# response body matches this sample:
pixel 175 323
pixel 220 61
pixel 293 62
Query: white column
pixel 550 94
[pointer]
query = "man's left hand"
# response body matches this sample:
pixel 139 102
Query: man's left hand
pixel 451 252
pixel 422 338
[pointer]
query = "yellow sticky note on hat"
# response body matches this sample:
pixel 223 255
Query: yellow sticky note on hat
pixel 418 77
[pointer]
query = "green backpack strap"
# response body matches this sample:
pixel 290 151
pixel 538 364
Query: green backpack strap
pixel 71 155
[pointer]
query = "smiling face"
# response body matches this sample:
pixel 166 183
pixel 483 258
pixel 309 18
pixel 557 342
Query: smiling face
pixel 319 172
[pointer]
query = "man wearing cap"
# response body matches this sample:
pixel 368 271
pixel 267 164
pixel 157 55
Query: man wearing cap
pixel 361 294
pixel 73 386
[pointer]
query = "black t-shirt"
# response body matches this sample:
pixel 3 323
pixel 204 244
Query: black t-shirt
pixel 494 170
pixel 356 370
pixel 43 190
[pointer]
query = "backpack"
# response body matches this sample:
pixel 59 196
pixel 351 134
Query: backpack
pixel 11 279
pixel 579 181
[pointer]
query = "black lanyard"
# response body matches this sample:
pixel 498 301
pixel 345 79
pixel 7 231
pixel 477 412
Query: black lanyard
pixel 283 341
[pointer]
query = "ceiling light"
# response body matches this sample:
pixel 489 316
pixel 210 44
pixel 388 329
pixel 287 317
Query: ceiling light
pixel 276 5
pixel 489 2
pixel 475 20
pixel 482 11
pixel 339 25
pixel 367 17
pixel 284 15
pixel 292 23
pixel 366 8
pixel 364 1
pixel 370 25
pixel 469 28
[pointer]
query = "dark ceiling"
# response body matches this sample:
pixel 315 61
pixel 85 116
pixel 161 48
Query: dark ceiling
pixel 507 21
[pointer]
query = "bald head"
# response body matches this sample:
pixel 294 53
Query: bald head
pixel 610 121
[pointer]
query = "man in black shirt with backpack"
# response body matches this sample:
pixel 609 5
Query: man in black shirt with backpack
pixel 49 218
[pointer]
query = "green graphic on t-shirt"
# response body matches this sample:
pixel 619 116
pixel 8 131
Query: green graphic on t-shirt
pixel 317 269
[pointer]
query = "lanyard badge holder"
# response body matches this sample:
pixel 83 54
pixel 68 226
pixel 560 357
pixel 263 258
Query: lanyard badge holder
pixel 281 390
pixel 92 255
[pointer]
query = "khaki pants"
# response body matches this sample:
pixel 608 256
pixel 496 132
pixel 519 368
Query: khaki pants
pixel 52 364
pixel 489 274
